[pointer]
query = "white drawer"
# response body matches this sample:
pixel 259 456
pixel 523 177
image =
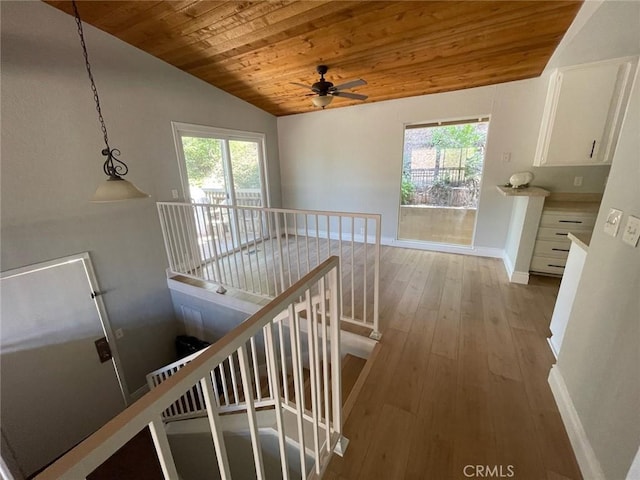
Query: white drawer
pixel 548 265
pixel 556 234
pixel 568 220
pixel 549 248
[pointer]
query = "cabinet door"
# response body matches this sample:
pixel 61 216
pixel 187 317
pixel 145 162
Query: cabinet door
pixel 581 114
pixel 584 108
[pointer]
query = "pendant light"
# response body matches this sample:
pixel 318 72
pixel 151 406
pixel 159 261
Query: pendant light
pixel 115 188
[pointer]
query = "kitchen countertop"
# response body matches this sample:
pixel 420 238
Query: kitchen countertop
pixel 581 240
pixel 523 192
pixel 568 206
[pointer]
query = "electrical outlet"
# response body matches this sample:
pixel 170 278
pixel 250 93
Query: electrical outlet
pixel 631 231
pixel 119 333
pixel 506 157
pixel 577 181
pixel 174 194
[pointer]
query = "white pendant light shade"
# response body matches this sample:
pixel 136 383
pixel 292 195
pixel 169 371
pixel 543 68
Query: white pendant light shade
pixel 321 100
pixel 116 189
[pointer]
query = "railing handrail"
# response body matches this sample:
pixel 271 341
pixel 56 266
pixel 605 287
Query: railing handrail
pixel 97 448
pixel 204 241
pixel 373 216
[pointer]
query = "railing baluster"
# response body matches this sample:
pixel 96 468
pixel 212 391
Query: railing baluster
pixel 248 250
pixel 251 413
pixel 161 442
pixel 340 256
pixel 223 379
pixel 306 240
pixel 295 227
pixel 353 255
pixel 312 345
pixel 297 383
pixel 234 380
pixel 216 429
pixel 318 261
pixel 263 240
pixel 275 394
pixel 211 226
pixel 285 376
pixel 232 223
pixel 325 361
pixel 286 239
pixel 255 249
pixel 280 252
pixel 256 373
pixel 273 255
pixel 328 236
pixel 183 263
pixel 376 282
pixel 364 279
pixel 336 374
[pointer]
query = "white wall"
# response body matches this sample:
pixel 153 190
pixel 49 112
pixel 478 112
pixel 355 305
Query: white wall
pixel 600 355
pixel 51 163
pixel 351 158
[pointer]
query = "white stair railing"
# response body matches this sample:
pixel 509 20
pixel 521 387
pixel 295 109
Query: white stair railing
pixel 265 250
pixel 311 305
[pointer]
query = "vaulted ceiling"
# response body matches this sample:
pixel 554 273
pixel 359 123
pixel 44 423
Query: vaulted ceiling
pixel 254 50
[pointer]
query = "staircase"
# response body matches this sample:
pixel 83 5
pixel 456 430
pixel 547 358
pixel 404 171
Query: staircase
pixel 241 394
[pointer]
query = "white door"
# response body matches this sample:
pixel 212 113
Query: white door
pixel 55 391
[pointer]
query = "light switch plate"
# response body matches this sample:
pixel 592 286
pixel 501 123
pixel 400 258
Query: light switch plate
pixel 612 224
pixel 631 231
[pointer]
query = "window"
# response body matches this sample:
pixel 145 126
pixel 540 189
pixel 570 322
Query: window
pixel 221 166
pixel 440 187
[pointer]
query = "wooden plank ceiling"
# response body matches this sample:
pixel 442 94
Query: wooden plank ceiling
pixel 253 50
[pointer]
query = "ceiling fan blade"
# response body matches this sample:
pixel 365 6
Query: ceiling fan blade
pixel 351 84
pixel 308 87
pixel 354 96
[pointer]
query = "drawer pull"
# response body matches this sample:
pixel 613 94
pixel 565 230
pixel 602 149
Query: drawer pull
pixel 560 249
pixel 562 234
pixel 569 221
pixel 556 266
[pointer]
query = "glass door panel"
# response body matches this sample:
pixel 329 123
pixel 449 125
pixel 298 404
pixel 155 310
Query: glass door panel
pixel 223 168
pixel 247 188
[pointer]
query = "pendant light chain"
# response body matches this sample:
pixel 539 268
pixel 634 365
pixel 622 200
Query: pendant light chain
pixel 88 66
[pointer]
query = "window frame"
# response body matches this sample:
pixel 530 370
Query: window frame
pixel 181 129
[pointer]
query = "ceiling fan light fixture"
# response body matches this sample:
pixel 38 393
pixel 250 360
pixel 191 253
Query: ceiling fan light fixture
pixel 321 100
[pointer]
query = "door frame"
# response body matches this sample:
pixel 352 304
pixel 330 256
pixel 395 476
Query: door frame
pixel 437 246
pixel 92 281
pixel 180 128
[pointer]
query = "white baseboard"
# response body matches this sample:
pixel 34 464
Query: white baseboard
pixel 586 457
pixel 441 247
pixel 514 275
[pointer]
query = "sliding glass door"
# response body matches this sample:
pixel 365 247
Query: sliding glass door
pixel 223 168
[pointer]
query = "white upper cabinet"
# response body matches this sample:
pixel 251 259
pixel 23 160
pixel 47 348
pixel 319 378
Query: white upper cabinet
pixel 583 112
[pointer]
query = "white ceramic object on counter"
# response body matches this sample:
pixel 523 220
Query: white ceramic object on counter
pixel 520 179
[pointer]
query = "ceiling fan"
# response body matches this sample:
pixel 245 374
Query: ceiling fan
pixel 324 91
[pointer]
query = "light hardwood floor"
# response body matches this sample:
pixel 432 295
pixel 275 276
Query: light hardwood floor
pixel 460 378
